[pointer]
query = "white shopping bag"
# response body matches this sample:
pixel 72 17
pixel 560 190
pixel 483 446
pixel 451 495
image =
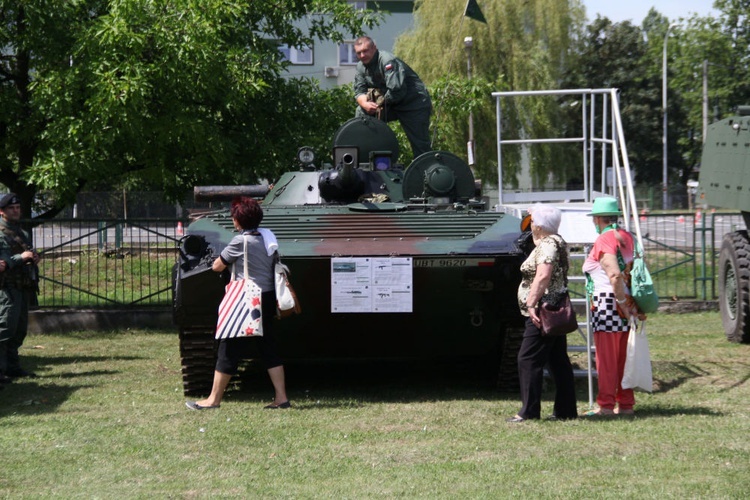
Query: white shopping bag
pixel 637 373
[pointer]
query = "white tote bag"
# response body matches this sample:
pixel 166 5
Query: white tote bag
pixel 637 374
pixel 286 299
pixel 284 295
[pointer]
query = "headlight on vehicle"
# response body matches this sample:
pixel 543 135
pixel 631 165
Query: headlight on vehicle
pixel 306 155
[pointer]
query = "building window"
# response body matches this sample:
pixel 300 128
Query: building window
pixel 296 56
pixel 347 57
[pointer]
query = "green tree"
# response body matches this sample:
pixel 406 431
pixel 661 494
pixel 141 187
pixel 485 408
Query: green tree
pixel 735 28
pixel 170 93
pixel 714 48
pixel 524 46
pixel 629 58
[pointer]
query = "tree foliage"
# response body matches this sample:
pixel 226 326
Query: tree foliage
pixel 524 46
pixel 617 55
pixel 717 50
pixel 169 93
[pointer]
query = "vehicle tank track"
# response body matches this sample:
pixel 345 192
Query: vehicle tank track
pixel 198 359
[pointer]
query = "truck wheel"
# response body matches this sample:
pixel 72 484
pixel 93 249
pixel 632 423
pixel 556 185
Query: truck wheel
pixel 734 286
pixel 507 376
pixel 198 356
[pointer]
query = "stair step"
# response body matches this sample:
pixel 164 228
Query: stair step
pixel 580 348
pixel 577 373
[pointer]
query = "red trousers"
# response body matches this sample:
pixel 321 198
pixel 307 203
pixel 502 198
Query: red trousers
pixel 611 349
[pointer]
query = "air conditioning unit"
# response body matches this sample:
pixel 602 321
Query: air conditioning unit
pixel 331 72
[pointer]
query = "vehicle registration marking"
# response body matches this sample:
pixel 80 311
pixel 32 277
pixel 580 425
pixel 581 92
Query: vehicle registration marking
pixel 454 262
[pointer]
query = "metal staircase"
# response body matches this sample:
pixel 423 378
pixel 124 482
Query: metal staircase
pixel 584 341
pixel 600 132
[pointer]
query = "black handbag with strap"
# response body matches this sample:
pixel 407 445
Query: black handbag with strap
pixel 558 319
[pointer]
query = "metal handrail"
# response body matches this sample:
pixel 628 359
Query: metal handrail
pixel 614 137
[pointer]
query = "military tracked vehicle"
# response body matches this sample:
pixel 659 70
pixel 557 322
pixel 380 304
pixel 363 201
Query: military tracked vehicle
pixel 725 179
pixel 387 262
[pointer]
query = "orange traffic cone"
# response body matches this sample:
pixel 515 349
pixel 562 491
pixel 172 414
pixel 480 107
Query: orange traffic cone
pixel 681 219
pixel 180 231
pixel 698 216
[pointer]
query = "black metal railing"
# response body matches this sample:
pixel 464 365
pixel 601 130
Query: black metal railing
pixel 106 263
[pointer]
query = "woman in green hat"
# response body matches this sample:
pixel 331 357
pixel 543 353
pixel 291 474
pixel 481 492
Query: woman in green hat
pixel 612 306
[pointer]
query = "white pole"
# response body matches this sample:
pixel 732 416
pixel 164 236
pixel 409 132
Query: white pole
pixel 705 100
pixel 468 43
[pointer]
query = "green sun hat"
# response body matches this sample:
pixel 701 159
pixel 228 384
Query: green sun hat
pixel 605 206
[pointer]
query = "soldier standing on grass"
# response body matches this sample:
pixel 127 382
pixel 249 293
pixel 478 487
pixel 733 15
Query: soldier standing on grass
pixel 18 285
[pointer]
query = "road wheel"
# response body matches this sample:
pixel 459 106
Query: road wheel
pixel 734 286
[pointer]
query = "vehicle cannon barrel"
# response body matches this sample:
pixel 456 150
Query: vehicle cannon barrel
pixel 226 193
pixel 343 183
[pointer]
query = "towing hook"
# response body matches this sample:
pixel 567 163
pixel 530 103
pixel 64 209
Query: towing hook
pixel 477 317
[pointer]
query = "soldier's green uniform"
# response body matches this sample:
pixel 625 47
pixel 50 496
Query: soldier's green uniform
pixel 406 97
pixel 18 283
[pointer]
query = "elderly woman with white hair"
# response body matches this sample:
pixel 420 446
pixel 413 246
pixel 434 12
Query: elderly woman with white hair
pixel 544 278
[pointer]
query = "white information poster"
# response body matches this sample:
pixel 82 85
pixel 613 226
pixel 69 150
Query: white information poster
pixel 371 284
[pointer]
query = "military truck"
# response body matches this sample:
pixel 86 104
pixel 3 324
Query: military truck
pixel 387 261
pixel 725 179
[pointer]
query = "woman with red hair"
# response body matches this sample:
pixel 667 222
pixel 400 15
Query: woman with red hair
pixel 247 215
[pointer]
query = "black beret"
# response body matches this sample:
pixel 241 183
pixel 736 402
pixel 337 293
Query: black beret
pixel 9 199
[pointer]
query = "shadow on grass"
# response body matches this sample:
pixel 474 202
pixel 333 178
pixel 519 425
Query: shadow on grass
pixel 669 375
pixel 674 411
pixel 739 383
pixel 39 364
pixel 36 396
pixel 355 383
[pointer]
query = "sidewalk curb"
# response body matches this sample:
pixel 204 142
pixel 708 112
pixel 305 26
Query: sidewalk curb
pixel 71 320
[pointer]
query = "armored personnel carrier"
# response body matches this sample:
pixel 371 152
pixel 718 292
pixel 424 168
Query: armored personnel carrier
pixel 387 261
pixel 725 179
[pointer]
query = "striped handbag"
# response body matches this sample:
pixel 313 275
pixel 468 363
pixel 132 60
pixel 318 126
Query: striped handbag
pixel 240 309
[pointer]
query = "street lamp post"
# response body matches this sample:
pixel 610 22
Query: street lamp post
pixel 468 43
pixel 665 184
pixel 705 101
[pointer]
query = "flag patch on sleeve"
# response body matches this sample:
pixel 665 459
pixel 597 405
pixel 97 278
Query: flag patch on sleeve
pixel 389 66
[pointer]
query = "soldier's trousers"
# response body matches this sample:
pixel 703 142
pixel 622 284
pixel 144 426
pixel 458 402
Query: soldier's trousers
pixel 14 322
pixel 415 122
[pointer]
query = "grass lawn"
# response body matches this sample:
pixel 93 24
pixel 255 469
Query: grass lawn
pixel 106 419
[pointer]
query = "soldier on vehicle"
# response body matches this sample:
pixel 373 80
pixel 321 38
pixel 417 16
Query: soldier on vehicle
pixel 386 87
pixel 18 286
